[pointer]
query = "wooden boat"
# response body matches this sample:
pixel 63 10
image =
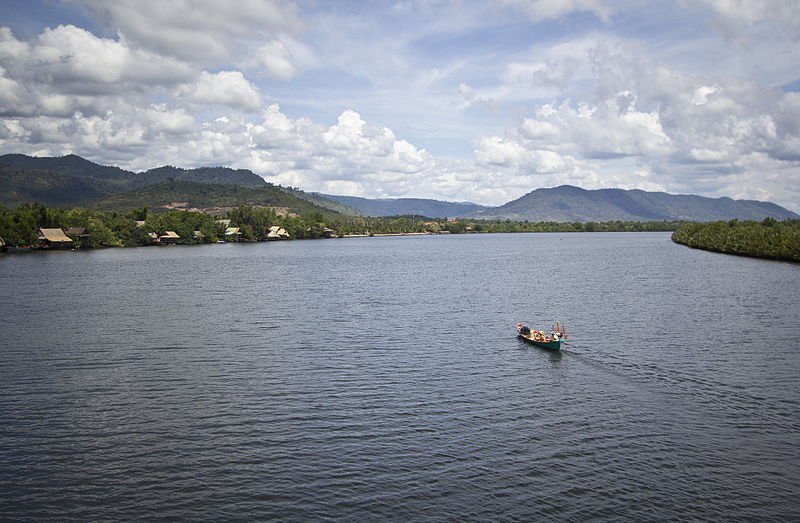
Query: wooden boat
pixel 551 341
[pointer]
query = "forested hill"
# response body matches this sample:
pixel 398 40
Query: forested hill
pixel 70 164
pixel 219 175
pixel 572 204
pixel 70 180
pixel 202 195
pixel 19 185
pixel 406 206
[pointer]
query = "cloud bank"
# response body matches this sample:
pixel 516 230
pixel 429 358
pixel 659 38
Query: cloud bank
pixel 426 99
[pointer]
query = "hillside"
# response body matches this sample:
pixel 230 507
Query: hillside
pixel 572 204
pixel 18 185
pixel 216 175
pixel 201 195
pixel 406 206
pixel 120 180
pixel 69 180
pixel 70 164
pixel 323 201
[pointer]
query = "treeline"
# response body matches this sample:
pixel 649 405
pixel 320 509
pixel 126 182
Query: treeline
pixel 767 239
pixel 19 227
pixel 416 224
pixel 609 226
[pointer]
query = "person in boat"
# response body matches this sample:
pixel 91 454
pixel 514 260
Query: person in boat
pixel 523 329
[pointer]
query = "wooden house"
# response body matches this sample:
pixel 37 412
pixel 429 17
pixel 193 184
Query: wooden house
pixel 80 235
pixel 169 238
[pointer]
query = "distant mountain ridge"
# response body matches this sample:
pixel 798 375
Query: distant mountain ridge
pixel 71 180
pixel 406 206
pixel 573 204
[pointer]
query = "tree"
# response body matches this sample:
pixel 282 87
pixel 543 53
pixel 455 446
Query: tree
pixel 100 235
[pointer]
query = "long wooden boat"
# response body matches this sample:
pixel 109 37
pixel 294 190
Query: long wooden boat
pixel 551 341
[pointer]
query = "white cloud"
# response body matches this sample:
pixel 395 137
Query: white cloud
pixel 206 32
pixel 226 88
pixel 80 62
pixel 275 58
pixel 67 69
pixel 186 83
pixel 681 131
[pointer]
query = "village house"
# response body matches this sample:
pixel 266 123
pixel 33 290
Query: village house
pixel 232 234
pixel 277 233
pixel 169 238
pixel 53 239
pixel 80 234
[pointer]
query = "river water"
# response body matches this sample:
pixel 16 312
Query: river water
pixel 380 378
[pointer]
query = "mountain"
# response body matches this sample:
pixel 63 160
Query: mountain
pixel 406 206
pixel 323 201
pixel 572 204
pixel 219 175
pixel 79 167
pixel 201 195
pixel 69 180
pixel 18 185
pixel 69 164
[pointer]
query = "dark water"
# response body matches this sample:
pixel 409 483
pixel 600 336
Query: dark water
pixel 380 378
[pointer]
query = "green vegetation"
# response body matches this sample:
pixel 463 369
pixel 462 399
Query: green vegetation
pixel 202 195
pixel 19 185
pixel 767 239
pixel 417 224
pixel 19 227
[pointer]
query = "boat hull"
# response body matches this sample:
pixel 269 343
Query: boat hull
pixel 549 345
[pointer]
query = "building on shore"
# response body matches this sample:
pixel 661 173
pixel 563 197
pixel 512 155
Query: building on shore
pixel 232 234
pixel 169 238
pixel 53 239
pixel 79 234
pixel 277 233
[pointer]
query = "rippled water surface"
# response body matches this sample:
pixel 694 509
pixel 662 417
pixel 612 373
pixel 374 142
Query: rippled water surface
pixel 380 378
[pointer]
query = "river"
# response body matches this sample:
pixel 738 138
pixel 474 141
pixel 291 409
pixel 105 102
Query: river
pixel 380 378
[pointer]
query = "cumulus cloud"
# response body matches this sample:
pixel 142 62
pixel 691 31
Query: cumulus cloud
pixel 186 84
pixel 228 88
pixel 206 32
pixel 68 69
pixel 275 58
pixel 685 132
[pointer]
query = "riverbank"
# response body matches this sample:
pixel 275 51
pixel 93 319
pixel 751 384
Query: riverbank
pixel 35 225
pixel 769 239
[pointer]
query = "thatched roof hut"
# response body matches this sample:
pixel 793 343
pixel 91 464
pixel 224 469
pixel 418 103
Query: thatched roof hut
pixel 53 238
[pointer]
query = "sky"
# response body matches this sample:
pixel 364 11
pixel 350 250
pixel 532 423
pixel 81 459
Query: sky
pixel 458 100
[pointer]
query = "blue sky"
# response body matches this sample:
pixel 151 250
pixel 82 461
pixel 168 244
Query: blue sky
pixel 455 100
